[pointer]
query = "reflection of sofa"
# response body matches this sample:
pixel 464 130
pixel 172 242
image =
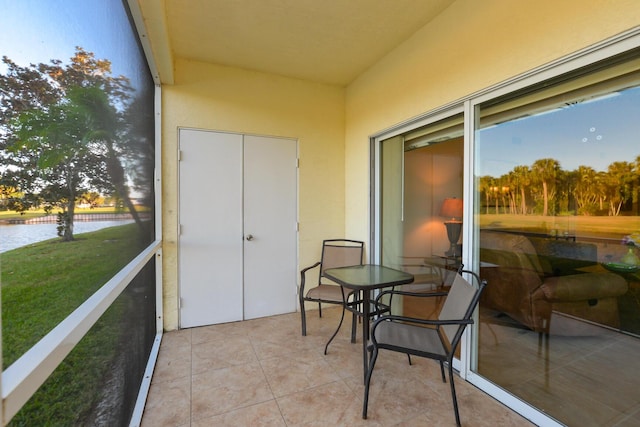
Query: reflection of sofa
pixel 524 283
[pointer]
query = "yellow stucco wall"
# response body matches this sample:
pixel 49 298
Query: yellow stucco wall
pixel 472 45
pixel 229 99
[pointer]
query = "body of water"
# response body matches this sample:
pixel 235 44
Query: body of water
pixel 17 235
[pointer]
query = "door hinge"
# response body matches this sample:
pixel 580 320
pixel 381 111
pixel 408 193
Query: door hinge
pixel 179 155
pixel 298 163
pixel 180 230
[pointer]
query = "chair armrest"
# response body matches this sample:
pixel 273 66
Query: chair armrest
pixel 410 294
pixel 418 323
pixel 304 270
pixel 391 292
pixel 432 322
pixel 303 277
pixel 580 287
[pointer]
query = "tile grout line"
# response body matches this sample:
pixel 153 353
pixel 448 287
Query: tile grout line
pixel 266 378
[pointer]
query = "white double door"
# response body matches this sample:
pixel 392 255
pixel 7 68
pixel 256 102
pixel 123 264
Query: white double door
pixel 238 227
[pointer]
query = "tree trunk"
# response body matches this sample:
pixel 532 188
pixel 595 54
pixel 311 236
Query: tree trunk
pixel 68 220
pixel 545 197
pixel 488 200
pixel 71 207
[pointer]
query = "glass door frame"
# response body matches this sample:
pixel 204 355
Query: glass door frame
pixel 375 253
pixel 375 141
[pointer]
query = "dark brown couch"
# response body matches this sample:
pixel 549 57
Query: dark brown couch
pixel 528 286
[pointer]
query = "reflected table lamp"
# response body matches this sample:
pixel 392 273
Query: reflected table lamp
pixel 452 208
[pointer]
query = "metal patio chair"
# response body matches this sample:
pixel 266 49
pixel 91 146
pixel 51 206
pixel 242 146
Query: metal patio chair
pixel 335 253
pixel 434 339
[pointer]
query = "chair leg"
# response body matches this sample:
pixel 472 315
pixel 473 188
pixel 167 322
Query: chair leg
pixel 320 309
pixel 444 379
pixel 453 395
pixel 409 357
pixel 303 316
pixel 367 381
pixel 354 327
pixel 326 347
pixel 543 342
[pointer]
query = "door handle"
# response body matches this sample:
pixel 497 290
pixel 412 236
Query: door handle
pixel 249 237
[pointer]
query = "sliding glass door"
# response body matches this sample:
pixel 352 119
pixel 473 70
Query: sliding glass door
pixel 548 174
pixel 557 185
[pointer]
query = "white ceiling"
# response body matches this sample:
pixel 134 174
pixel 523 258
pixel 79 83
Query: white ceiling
pixel 328 41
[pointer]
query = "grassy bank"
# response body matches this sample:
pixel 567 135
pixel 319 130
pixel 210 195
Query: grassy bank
pixel 43 283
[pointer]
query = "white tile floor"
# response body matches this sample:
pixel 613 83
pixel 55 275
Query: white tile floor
pixel 264 373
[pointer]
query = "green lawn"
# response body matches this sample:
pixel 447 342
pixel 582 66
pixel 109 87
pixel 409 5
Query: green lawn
pixel 585 226
pixel 43 283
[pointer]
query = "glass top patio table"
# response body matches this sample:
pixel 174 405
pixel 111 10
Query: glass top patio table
pixel 367 278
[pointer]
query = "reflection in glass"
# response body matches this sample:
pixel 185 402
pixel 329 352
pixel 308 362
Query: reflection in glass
pixel 77 144
pixel 420 170
pixel 557 186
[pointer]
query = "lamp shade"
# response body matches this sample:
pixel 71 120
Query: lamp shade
pixel 451 208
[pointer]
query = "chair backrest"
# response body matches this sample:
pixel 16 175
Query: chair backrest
pixel 460 303
pixel 450 275
pixel 340 253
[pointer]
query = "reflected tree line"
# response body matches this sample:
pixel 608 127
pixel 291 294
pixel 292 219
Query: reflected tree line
pixel 70 133
pixel 544 188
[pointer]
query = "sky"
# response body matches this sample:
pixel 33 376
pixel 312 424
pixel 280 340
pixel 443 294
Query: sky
pixel 35 31
pixel 595 134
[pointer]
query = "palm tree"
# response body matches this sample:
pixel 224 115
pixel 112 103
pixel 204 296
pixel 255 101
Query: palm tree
pixel 545 172
pixel 522 179
pixel 484 186
pixel 619 185
pixel 585 189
